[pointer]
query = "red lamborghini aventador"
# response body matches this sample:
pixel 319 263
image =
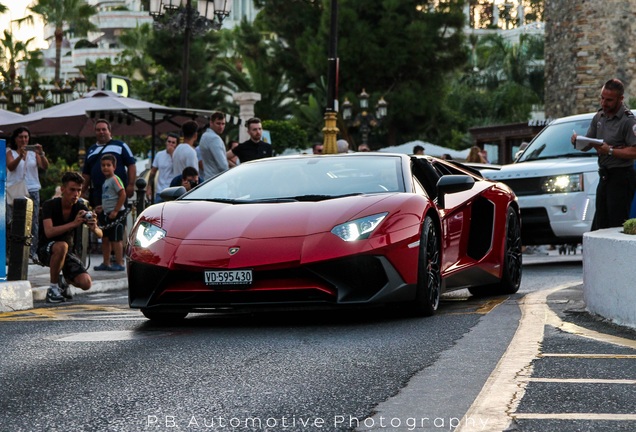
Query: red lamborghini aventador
pixel 325 231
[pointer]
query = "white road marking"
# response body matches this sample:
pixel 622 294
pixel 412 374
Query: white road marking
pixel 590 356
pixel 577 416
pixel 582 381
pixel 116 335
pixel 500 396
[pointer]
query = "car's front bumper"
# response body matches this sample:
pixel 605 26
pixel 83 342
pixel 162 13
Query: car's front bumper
pixel 556 218
pixel 365 279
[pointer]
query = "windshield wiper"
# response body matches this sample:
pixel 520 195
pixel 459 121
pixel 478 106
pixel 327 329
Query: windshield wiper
pixel 589 153
pixel 303 198
pixel 273 200
pixel 582 154
pixel 307 198
pixel 227 200
pixel 317 197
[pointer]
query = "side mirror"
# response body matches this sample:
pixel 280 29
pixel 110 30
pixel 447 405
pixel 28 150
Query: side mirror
pixel 172 193
pixel 449 184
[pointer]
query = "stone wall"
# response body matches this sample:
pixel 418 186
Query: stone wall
pixel 587 42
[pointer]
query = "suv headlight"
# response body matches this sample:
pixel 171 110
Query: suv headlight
pixel 563 183
pixel 358 229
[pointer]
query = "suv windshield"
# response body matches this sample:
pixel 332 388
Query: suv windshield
pixel 554 142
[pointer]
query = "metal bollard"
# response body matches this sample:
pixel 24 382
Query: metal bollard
pixel 140 183
pixel 20 239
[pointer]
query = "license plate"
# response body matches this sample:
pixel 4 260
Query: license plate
pixel 228 277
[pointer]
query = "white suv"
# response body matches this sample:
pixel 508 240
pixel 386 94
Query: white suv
pixel 555 184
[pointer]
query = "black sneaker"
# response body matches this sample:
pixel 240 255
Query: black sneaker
pixel 65 289
pixel 53 295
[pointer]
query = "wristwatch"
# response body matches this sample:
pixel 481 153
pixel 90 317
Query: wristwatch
pixel 611 151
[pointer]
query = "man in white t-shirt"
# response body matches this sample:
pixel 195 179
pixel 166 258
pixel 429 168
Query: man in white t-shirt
pixel 185 155
pixel 163 164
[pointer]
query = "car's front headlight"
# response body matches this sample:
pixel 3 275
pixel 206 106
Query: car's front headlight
pixel 148 234
pixel 563 183
pixel 358 229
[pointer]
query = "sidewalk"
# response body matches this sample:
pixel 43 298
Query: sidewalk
pixel 102 280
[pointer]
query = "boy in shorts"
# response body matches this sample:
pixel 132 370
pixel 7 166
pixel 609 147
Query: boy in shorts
pixel 112 213
pixel 60 217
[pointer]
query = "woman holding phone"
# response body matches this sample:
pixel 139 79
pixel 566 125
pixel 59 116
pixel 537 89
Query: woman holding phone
pixel 23 163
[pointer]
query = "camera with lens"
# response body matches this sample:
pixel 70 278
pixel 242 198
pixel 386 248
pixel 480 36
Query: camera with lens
pixel 192 183
pixel 88 215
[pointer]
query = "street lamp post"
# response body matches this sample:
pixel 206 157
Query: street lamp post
pixel 177 15
pixel 330 131
pixel 364 120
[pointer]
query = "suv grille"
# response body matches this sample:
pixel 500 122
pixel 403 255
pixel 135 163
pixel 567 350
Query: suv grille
pixel 524 187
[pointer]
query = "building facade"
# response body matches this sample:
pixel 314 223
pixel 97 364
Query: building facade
pixel 112 19
pixel 587 43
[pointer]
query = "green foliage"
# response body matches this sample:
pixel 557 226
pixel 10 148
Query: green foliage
pixel 140 146
pixel 374 56
pixel 499 85
pixel 166 48
pixel 285 135
pixel 537 8
pixel 13 51
pixel 629 227
pixel 436 84
pixel 297 24
pixel 53 175
pixel 310 117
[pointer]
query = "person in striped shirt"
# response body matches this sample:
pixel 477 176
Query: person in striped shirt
pixel 112 214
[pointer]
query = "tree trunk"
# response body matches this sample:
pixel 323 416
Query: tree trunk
pixel 59 36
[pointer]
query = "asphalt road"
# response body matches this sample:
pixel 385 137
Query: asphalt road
pixel 66 375
pixel 95 365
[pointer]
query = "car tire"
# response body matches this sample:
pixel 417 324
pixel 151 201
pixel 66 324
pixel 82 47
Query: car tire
pixel 162 316
pixel 512 265
pixel 429 272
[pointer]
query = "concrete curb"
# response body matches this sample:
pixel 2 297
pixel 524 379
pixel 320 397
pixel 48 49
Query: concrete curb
pixel 39 293
pixel 609 274
pixel 15 295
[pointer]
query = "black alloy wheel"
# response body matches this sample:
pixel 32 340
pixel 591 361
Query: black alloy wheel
pixel 429 273
pixel 512 265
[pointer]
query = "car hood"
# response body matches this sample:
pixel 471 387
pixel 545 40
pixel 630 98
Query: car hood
pixel 542 168
pixel 199 220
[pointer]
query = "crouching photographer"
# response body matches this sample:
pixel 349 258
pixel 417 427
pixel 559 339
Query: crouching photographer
pixel 189 179
pixel 60 218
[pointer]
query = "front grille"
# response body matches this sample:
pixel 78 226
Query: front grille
pixel 347 280
pixel 525 187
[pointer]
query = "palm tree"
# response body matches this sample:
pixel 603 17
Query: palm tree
pixel 14 51
pixel 3 8
pixel 65 16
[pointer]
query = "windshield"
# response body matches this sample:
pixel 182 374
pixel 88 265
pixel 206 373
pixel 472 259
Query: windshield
pixel 310 178
pixel 554 142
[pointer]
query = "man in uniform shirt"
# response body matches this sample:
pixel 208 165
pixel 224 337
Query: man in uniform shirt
pixel 616 126
pixel 253 148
